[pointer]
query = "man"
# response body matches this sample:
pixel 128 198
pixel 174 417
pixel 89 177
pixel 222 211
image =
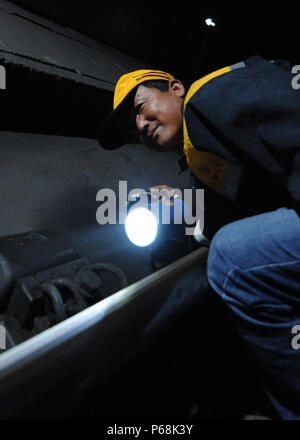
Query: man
pixel 240 134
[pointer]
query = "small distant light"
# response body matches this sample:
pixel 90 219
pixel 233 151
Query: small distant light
pixel 210 22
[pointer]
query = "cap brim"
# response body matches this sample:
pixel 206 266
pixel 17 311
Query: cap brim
pixel 118 128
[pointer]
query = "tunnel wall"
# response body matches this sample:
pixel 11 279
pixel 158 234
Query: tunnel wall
pixel 59 87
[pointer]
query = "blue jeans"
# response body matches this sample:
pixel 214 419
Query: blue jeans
pixel 254 265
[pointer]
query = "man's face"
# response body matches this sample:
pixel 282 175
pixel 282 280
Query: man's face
pixel 159 116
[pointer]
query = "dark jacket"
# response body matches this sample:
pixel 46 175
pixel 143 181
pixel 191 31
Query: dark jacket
pixel 242 140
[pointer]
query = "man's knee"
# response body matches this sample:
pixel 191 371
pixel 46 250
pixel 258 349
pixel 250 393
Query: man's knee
pixel 270 238
pixel 256 260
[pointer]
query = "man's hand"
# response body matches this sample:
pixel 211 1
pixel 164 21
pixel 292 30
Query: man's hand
pixel 166 192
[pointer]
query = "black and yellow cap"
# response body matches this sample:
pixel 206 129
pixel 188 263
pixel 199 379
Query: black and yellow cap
pixel 119 127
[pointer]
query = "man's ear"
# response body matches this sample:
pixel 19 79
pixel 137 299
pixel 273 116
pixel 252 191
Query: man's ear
pixel 177 88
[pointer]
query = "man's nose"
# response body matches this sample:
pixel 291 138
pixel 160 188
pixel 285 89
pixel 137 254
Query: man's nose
pixel 141 123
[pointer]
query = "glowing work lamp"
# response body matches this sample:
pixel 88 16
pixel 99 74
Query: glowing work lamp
pixel 141 226
pixel 156 221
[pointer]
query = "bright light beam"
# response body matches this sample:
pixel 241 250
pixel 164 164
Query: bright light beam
pixel 141 226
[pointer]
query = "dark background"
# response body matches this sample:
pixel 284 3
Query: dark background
pixel 173 35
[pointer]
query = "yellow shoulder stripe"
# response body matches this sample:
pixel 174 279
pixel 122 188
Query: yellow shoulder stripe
pixel 200 82
pixel 208 167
